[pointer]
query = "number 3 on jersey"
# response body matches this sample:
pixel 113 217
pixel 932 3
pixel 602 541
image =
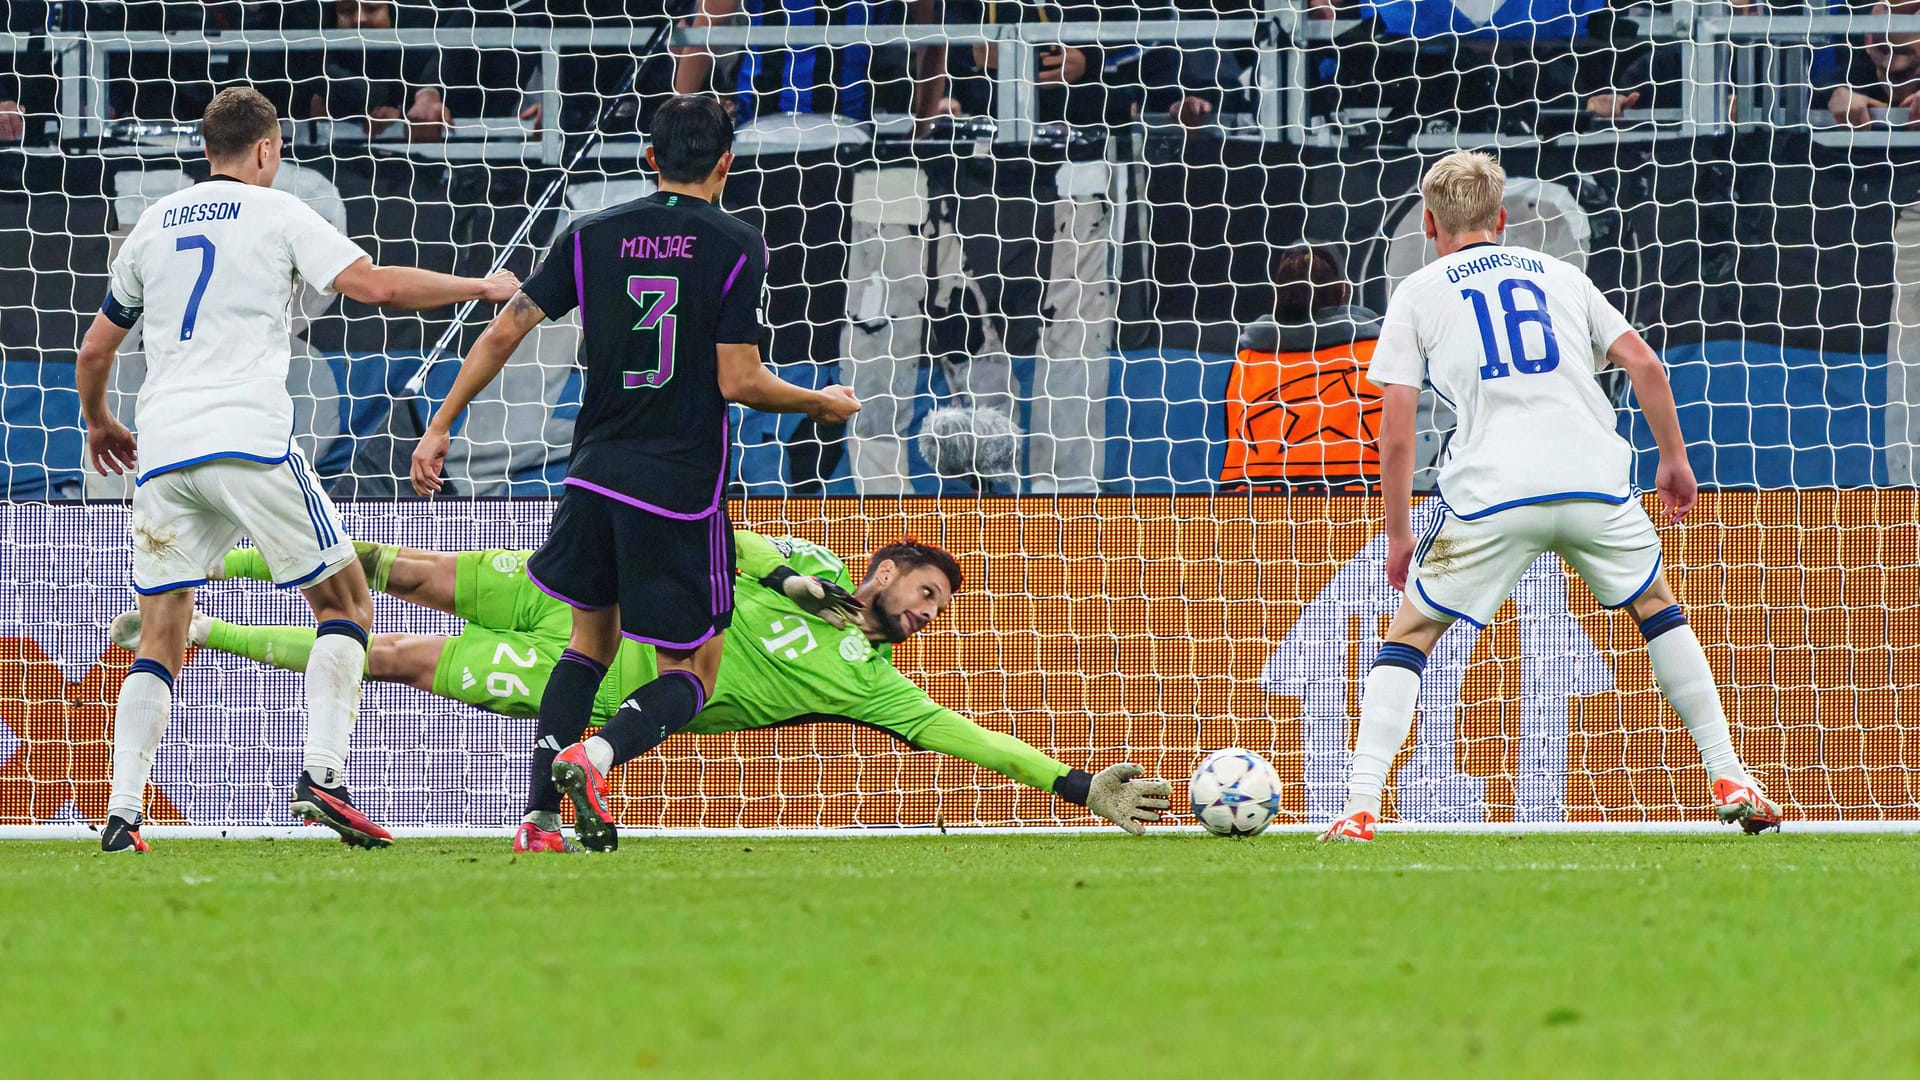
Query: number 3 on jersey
pixel 1517 319
pixel 656 297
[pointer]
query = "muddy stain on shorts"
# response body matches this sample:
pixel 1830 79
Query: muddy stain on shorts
pixel 152 539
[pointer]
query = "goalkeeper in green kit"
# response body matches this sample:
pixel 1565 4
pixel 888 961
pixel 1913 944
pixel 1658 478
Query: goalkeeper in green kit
pixel 806 645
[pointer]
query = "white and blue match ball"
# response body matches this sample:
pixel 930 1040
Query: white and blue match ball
pixel 1235 793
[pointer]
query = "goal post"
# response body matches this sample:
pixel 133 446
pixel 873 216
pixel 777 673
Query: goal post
pixel 1171 534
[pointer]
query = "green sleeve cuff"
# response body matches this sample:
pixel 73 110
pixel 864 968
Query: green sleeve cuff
pixel 1074 786
pixel 754 556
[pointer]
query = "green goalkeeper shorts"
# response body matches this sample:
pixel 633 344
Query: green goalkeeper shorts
pixel 514 635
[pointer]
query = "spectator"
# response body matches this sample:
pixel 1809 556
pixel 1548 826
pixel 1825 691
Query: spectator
pixel 1299 408
pixel 1625 73
pixel 1184 83
pixel 168 85
pixel 416 93
pixel 27 84
pixel 380 87
pixel 1882 70
pixel 1465 67
pixel 960 78
pixel 805 79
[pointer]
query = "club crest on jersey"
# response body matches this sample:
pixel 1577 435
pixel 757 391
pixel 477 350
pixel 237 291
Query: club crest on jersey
pixel 855 648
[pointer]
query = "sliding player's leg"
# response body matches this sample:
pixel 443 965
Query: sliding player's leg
pixel 425 578
pixel 404 659
pixel 501 671
pixel 1616 552
pixel 1461 570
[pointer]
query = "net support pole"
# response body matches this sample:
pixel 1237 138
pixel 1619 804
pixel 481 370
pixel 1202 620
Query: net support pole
pixel 418 383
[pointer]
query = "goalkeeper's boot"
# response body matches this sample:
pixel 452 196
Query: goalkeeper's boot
pixel 577 779
pixel 531 837
pixel 333 807
pixel 122 835
pixel 1356 827
pixel 124 631
pixel 1744 802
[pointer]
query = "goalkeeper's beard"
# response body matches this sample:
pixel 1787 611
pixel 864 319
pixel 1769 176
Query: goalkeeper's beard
pixel 883 619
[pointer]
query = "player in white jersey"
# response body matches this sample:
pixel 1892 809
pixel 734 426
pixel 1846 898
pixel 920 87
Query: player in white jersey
pixel 213 270
pixel 1512 339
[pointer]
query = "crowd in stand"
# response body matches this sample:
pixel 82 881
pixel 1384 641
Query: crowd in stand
pixel 1439 59
pixel 1004 257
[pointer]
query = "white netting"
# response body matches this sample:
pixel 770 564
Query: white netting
pixel 1080 221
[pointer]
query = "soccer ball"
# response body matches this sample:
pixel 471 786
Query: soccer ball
pixel 1235 793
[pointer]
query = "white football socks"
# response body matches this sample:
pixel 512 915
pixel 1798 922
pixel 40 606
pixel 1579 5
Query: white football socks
pixel 1680 667
pixel 333 702
pixel 1386 716
pixel 600 752
pixel 139 720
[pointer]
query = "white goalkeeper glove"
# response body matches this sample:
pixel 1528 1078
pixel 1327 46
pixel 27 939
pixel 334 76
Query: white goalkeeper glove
pixel 816 596
pixel 1116 795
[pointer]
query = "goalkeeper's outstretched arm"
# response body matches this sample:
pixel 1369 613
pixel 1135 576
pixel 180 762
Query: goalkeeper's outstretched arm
pixel 1113 793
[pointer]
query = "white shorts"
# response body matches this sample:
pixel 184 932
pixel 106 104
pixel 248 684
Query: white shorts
pixel 185 522
pixel 1466 569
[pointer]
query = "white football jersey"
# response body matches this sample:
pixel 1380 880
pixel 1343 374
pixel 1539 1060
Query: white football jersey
pixel 1511 338
pixel 213 270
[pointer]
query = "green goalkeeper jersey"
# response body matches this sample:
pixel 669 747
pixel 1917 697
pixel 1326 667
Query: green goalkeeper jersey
pixel 781 665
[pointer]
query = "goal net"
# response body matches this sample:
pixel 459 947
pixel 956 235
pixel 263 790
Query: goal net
pixel 1105 278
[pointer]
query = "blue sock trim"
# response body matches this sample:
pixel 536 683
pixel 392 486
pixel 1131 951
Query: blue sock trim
pixel 1662 621
pixel 1395 654
pixel 344 628
pixel 575 656
pixel 154 668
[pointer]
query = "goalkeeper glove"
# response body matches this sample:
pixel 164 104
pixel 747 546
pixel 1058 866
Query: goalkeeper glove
pixel 816 596
pixel 1125 801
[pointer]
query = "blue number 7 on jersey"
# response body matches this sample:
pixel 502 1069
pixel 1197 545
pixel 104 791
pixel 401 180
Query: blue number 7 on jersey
pixel 656 297
pixel 192 314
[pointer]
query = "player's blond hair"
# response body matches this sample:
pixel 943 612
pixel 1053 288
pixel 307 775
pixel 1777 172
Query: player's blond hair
pixel 1463 191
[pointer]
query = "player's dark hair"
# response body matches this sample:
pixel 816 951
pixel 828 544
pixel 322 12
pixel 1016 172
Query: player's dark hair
pixel 690 132
pixel 1306 279
pixel 238 117
pixel 909 554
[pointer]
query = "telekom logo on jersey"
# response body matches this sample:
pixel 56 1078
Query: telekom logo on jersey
pixel 1558 662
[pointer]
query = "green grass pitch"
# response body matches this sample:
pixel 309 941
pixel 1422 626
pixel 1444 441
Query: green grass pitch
pixel 1063 956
